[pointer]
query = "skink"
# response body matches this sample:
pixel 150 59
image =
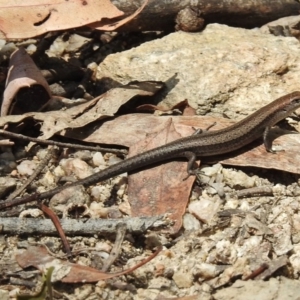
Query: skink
pixel 208 143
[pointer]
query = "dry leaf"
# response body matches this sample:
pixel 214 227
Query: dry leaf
pixel 69 272
pixel 25 19
pixel 99 108
pixel 26 88
pixel 161 189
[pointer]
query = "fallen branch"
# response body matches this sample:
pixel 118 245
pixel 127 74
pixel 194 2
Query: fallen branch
pixel 161 15
pixel 85 227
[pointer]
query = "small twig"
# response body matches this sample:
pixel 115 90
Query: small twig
pixel 115 252
pixel 258 271
pixel 23 282
pixel 60 144
pixel 37 171
pixel 273 266
pixel 255 191
pixel 47 211
pixel 19 201
pixel 87 227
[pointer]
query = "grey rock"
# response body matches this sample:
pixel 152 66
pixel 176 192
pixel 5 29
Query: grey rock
pixel 220 64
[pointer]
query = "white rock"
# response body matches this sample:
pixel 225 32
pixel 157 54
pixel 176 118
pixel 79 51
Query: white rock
pixel 282 234
pixel 100 193
pixel 212 170
pixel 295 262
pixel 238 179
pixel 96 210
pixel 113 160
pixel 26 167
pixel 48 179
pixel 76 166
pixel 207 271
pixel 34 212
pixel 190 222
pixel 183 278
pixel 204 209
pixel 59 172
pixel 225 252
pixel 98 159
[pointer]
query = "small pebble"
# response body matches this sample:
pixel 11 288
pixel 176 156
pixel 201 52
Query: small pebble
pixel 98 159
pixel 204 209
pixel 183 279
pixel 190 222
pixel 113 160
pixel 83 155
pixel 26 167
pixel 76 166
pixel 100 193
pixel 48 179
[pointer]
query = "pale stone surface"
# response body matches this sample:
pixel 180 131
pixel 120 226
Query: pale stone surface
pixel 220 64
pixel 6 184
pixel 183 279
pixel 76 166
pixel 189 222
pixel 4 295
pixel 282 235
pixel 275 289
pixel 204 209
pixel 98 159
pixel 238 179
pixel 26 167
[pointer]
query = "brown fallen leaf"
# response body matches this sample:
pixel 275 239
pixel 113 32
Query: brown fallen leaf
pixel 79 116
pixel 25 19
pixel 161 189
pixel 26 89
pixel 137 128
pixel 65 271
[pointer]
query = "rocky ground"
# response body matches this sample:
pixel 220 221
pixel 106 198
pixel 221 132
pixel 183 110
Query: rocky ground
pixel 225 239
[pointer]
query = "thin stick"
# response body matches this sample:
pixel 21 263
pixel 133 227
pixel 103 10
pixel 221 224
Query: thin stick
pixel 115 252
pixel 37 171
pixel 254 192
pixel 47 211
pixel 59 144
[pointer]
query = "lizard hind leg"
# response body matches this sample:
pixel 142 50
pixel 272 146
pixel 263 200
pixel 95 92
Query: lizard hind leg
pixel 191 170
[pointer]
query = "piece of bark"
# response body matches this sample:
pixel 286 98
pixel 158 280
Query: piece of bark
pixel 161 15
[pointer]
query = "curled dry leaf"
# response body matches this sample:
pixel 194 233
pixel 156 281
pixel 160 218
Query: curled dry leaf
pixel 69 272
pixel 26 88
pixel 25 19
pixel 79 116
